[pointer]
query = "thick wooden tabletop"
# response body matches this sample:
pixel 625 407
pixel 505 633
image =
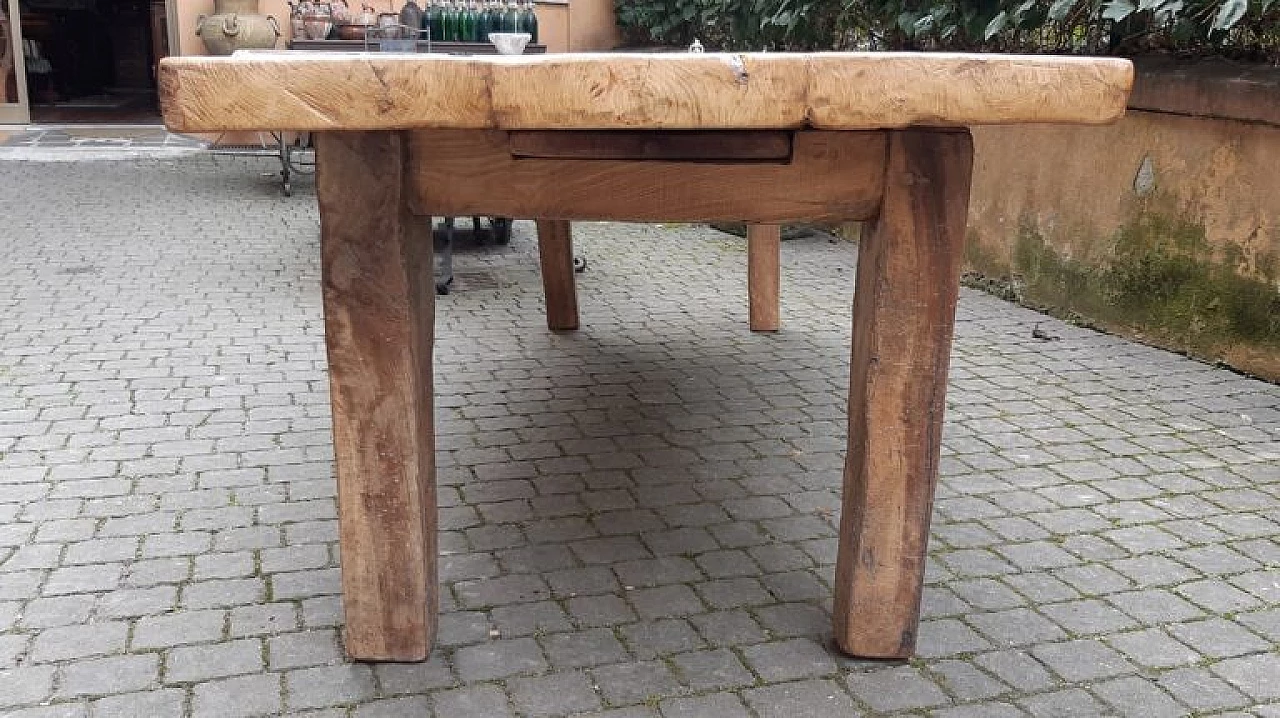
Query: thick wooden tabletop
pixel 832 91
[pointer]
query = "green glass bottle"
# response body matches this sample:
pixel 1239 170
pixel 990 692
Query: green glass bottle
pixel 511 18
pixel 431 20
pixel 530 24
pixel 482 24
pixel 450 22
pixel 466 23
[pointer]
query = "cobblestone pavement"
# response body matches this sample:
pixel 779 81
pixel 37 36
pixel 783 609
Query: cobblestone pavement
pixel 638 519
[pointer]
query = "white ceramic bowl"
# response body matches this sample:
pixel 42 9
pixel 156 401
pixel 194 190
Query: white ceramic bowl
pixel 510 43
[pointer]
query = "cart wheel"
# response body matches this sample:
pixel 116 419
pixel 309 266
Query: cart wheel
pixel 579 265
pixel 501 230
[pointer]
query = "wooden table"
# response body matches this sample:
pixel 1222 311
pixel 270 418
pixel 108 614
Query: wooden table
pixel 761 138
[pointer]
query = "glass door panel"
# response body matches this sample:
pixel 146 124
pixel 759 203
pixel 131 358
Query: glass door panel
pixel 13 77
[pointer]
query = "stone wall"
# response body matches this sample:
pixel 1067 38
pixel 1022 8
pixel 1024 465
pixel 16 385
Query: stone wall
pixel 1164 226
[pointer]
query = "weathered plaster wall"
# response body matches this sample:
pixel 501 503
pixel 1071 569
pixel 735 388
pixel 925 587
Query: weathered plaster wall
pixel 1164 226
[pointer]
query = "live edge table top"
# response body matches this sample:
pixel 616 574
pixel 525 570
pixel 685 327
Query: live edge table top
pixel 823 91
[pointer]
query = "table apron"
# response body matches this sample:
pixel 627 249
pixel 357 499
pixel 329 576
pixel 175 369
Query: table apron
pixel 829 175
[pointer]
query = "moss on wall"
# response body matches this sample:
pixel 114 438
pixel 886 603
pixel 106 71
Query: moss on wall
pixel 1161 279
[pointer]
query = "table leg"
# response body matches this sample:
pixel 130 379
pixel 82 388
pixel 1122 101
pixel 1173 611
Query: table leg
pixel 379 306
pixel 903 316
pixel 763 247
pixel 555 252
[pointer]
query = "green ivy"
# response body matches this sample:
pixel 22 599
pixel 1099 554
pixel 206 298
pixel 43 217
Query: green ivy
pixel 1248 29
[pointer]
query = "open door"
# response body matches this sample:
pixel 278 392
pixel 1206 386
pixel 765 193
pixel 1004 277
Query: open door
pixel 13 74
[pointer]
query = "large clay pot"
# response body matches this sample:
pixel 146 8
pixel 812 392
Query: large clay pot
pixel 226 33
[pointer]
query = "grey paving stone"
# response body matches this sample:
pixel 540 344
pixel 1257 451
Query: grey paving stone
pixel 399 678
pixel 716 669
pixel 652 639
pixel 526 619
pixel 554 694
pixel 1136 696
pixel 395 707
pixel 70 642
pixel 1016 627
pixel 1069 703
pixel 199 663
pixel 1155 648
pixel 965 681
pixel 178 629
pixel 298 650
pixel 790 660
pixel 1200 690
pixel 603 610
pixel 591 647
pixel 328 686
pixel 896 689
pixel 1088 617
pixel 635 682
pixel 263 619
pixel 482 701
pixel 948 637
pixel 802 699
pixel 19 686
pixel 58 611
pixel 485 593
pixel 116 674
pixel 728 628
pixel 77 709
pixel 1154 606
pixel 83 579
pixel 979 710
pixel 224 593
pixel 1082 660
pixel 714 705
pixel 238 697
pixel 12 647
pixel 499 659
pixel 1218 638
pixel 162 703
pixel 794 619
pixel 1253 675
pixel 665 601
pixel 456 627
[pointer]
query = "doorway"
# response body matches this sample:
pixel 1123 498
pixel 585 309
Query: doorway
pixel 13 89
pixel 93 61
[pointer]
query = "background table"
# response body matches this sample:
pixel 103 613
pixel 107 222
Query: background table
pixel 761 138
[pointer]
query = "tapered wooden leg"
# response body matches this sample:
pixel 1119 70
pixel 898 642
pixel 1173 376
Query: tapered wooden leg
pixel 379 306
pixel 763 247
pixel 555 251
pixel 904 312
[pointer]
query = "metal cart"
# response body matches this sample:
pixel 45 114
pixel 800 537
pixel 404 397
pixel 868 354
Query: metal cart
pixel 292 150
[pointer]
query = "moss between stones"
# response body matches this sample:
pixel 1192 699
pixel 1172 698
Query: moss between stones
pixel 1161 280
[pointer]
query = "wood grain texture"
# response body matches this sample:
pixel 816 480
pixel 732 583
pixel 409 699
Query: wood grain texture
pixel 831 175
pixel 838 91
pixel 379 304
pixel 903 315
pixel 684 145
pixel 555 254
pixel 764 244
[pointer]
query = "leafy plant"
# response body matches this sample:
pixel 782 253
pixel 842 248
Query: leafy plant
pixel 1242 28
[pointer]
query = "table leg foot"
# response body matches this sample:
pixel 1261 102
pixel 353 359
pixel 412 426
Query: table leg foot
pixel 379 306
pixel 555 252
pixel 903 317
pixel 764 246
